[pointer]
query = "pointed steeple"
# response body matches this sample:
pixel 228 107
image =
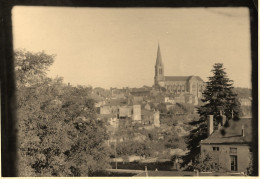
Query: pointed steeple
pixel 159 57
pixel 159 69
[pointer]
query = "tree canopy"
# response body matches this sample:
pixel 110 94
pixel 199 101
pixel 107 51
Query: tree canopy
pixel 218 96
pixel 58 133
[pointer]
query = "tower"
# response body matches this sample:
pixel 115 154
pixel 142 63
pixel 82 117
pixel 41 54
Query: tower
pixel 159 69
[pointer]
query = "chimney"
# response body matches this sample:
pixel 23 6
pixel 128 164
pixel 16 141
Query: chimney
pixel 223 120
pixel 210 124
pixel 243 131
pixel 219 125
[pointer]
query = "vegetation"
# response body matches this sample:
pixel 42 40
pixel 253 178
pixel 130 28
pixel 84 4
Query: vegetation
pixel 58 133
pixel 218 96
pixel 207 164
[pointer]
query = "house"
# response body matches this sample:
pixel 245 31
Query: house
pixel 98 104
pixel 229 146
pixel 147 106
pixel 150 118
pixel 169 100
pixel 245 101
pixel 124 111
pixel 169 106
pixel 112 120
pixel 136 112
pixel 180 98
pixel 108 109
pixel 140 92
pixel 137 99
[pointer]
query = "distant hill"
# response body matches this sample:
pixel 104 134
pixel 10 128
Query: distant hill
pixel 243 92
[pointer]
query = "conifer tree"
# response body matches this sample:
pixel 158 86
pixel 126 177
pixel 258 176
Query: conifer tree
pixel 217 97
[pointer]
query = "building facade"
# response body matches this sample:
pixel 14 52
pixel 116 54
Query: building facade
pixel 230 147
pixel 177 84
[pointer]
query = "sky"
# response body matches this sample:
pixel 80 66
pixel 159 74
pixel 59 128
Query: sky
pixel 117 47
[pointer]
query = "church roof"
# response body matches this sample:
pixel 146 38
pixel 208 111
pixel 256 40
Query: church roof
pixel 180 78
pixel 232 134
pixel 159 57
pixel 176 78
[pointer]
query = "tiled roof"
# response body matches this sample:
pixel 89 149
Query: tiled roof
pixel 199 78
pixel 245 99
pixel 181 78
pixel 176 78
pixel 232 134
pixel 116 102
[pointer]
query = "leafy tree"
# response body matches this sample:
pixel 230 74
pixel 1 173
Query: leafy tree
pixel 177 109
pixel 128 148
pixel 162 108
pixel 172 139
pixel 207 163
pixel 169 121
pixel 218 96
pixel 58 134
pixel 31 68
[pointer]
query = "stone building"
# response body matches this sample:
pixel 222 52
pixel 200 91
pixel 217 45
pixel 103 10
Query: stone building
pixel 177 84
pixel 136 112
pixel 125 111
pixel 229 146
pixel 150 118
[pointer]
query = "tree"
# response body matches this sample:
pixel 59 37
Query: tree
pixel 162 108
pixel 31 68
pixel 218 96
pixel 207 163
pixel 58 133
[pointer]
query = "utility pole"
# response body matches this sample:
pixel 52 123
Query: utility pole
pixel 115 155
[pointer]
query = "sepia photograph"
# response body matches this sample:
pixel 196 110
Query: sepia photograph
pixel 133 91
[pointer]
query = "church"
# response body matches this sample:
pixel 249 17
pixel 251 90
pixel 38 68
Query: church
pixel 192 85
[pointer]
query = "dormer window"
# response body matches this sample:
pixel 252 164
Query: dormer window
pixel 215 148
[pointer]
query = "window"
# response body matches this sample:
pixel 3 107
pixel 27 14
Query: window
pixel 233 159
pixel 233 150
pixel 160 71
pixel 215 148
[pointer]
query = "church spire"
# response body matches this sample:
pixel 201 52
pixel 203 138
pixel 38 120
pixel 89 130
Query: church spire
pixel 159 57
pixel 159 69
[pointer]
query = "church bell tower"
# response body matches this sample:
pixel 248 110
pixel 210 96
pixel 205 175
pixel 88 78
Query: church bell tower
pixel 159 69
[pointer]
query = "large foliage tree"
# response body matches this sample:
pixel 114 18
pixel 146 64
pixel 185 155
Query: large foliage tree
pixel 58 134
pixel 218 96
pixel 208 164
